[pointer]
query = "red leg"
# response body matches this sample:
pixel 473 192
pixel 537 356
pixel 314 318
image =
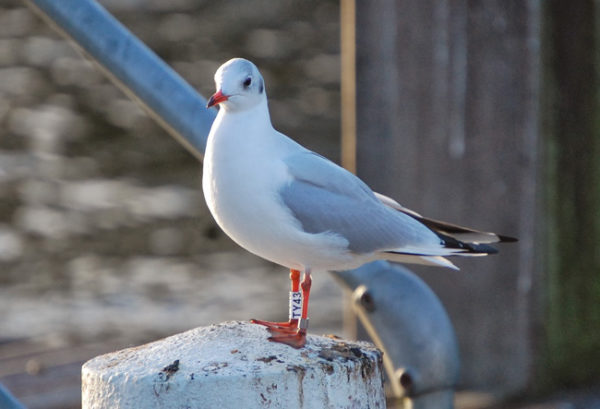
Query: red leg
pixel 298 338
pixel 295 300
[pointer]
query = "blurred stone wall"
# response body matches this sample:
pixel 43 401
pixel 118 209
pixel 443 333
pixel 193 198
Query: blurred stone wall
pixel 102 219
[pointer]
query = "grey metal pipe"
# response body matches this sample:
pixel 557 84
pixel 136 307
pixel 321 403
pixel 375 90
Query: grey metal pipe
pixel 407 321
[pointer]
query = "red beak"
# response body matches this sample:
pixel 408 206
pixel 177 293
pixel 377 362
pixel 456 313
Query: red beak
pixel 216 99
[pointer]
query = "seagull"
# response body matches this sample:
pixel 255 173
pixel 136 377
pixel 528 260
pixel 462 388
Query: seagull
pixel 292 206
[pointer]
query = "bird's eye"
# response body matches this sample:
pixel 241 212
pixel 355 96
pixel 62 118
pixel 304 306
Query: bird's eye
pixel 247 82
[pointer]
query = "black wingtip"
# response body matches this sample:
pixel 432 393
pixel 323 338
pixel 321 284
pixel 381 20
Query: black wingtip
pixel 479 248
pixel 506 239
pixel 482 248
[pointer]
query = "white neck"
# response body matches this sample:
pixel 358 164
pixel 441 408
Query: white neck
pixel 257 114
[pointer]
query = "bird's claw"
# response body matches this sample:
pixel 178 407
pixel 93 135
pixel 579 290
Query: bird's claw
pixel 295 340
pixel 272 324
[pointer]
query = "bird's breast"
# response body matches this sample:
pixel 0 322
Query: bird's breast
pixel 242 180
pixel 241 188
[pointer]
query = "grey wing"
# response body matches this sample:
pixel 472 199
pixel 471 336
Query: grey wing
pixel 324 197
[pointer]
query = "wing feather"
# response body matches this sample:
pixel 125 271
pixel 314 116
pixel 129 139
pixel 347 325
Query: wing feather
pixel 324 197
pixel 456 231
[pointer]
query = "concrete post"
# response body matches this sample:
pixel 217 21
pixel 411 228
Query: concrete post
pixel 232 365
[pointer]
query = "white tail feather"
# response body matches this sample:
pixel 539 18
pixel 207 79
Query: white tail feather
pixel 423 260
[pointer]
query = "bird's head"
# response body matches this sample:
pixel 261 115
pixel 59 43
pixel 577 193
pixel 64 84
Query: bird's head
pixel 239 86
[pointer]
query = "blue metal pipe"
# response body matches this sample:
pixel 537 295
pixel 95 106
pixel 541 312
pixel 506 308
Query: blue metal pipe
pixel 134 67
pixel 7 400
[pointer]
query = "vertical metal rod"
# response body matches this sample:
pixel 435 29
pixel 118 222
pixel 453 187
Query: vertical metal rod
pixel 348 78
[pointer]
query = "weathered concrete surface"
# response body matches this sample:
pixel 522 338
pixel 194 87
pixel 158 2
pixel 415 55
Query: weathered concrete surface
pixel 232 365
